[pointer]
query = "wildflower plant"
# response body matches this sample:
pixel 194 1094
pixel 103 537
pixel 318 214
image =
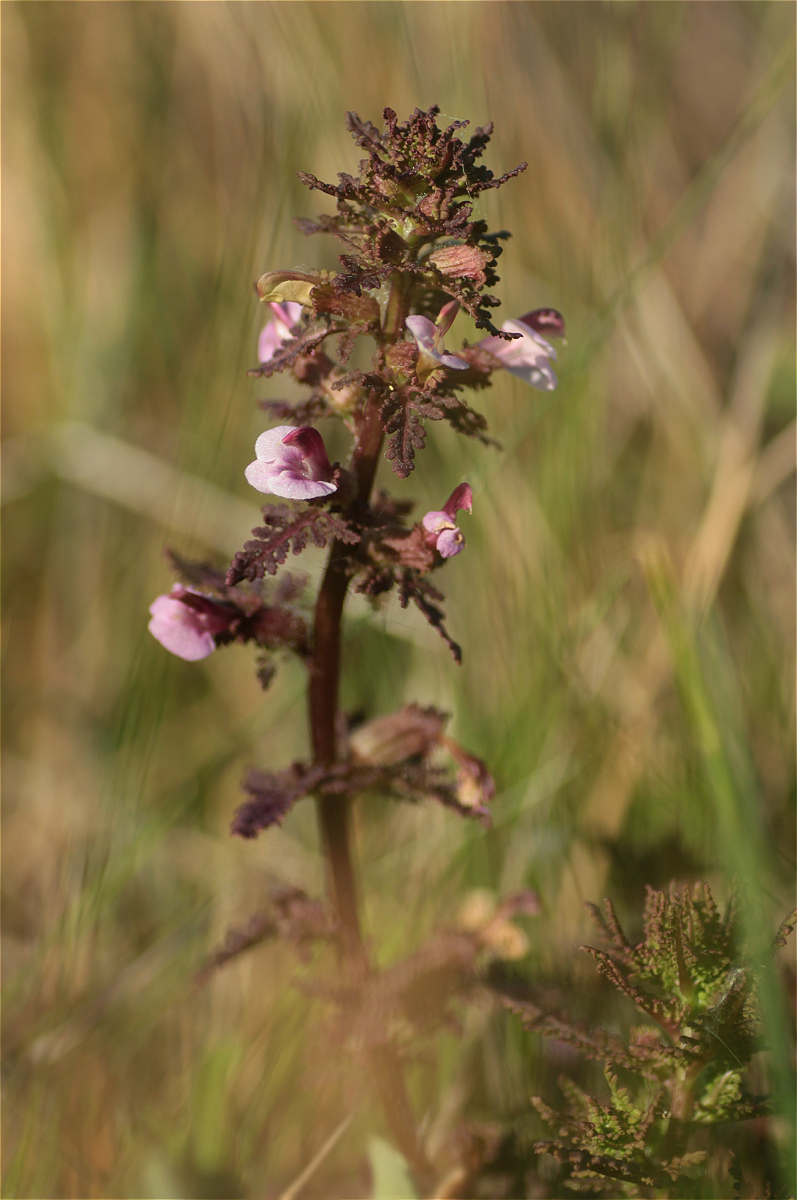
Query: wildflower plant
pixel 413 257
pixel 680 1076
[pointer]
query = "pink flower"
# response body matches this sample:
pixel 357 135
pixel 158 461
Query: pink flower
pixel 442 534
pixel 429 336
pixel 529 355
pixel 279 330
pixel 291 462
pixel 185 622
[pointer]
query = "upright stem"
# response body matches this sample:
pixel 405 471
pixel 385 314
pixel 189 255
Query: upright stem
pixel 334 812
pixel 323 693
pixel 325 663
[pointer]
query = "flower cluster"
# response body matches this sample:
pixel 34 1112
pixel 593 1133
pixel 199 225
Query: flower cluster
pixel 413 260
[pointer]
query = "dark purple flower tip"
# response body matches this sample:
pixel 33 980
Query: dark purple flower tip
pixel 547 321
pixel 311 444
pixel 461 497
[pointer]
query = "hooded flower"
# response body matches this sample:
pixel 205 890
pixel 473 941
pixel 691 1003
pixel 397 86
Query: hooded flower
pixel 280 329
pixel 429 336
pixel 442 534
pixel 185 622
pixel 529 355
pixel 292 463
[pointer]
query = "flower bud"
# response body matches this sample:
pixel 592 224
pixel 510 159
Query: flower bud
pixel 292 286
pixel 404 734
pixel 460 262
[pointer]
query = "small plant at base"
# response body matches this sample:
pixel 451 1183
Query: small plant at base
pixel 683 1073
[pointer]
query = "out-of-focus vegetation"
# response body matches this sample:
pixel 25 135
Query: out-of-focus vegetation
pixel 626 601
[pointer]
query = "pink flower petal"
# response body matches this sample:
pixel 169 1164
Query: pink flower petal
pixel 269 446
pixel 424 332
pixel 450 542
pixel 436 521
pixel 452 362
pixel 292 462
pixel 429 339
pixel 288 314
pixel 259 475
pixel 179 629
pixel 527 356
pixel 279 330
pixel 531 344
pixel 299 487
pixel 268 343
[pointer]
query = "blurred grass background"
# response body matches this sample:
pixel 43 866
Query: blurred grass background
pixel 626 602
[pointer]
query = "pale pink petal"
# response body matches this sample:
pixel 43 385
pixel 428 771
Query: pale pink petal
pixel 259 475
pixel 292 462
pixel 179 629
pixel 541 376
pixel 436 521
pixel 527 356
pixel 449 543
pixel 299 487
pixel 424 332
pixel 269 445
pixel 442 533
pixel 288 314
pixel 531 343
pixel 452 362
pixel 268 343
pixel 279 330
pixel 430 344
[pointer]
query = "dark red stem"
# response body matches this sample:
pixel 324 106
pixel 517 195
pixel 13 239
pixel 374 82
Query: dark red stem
pixel 334 812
